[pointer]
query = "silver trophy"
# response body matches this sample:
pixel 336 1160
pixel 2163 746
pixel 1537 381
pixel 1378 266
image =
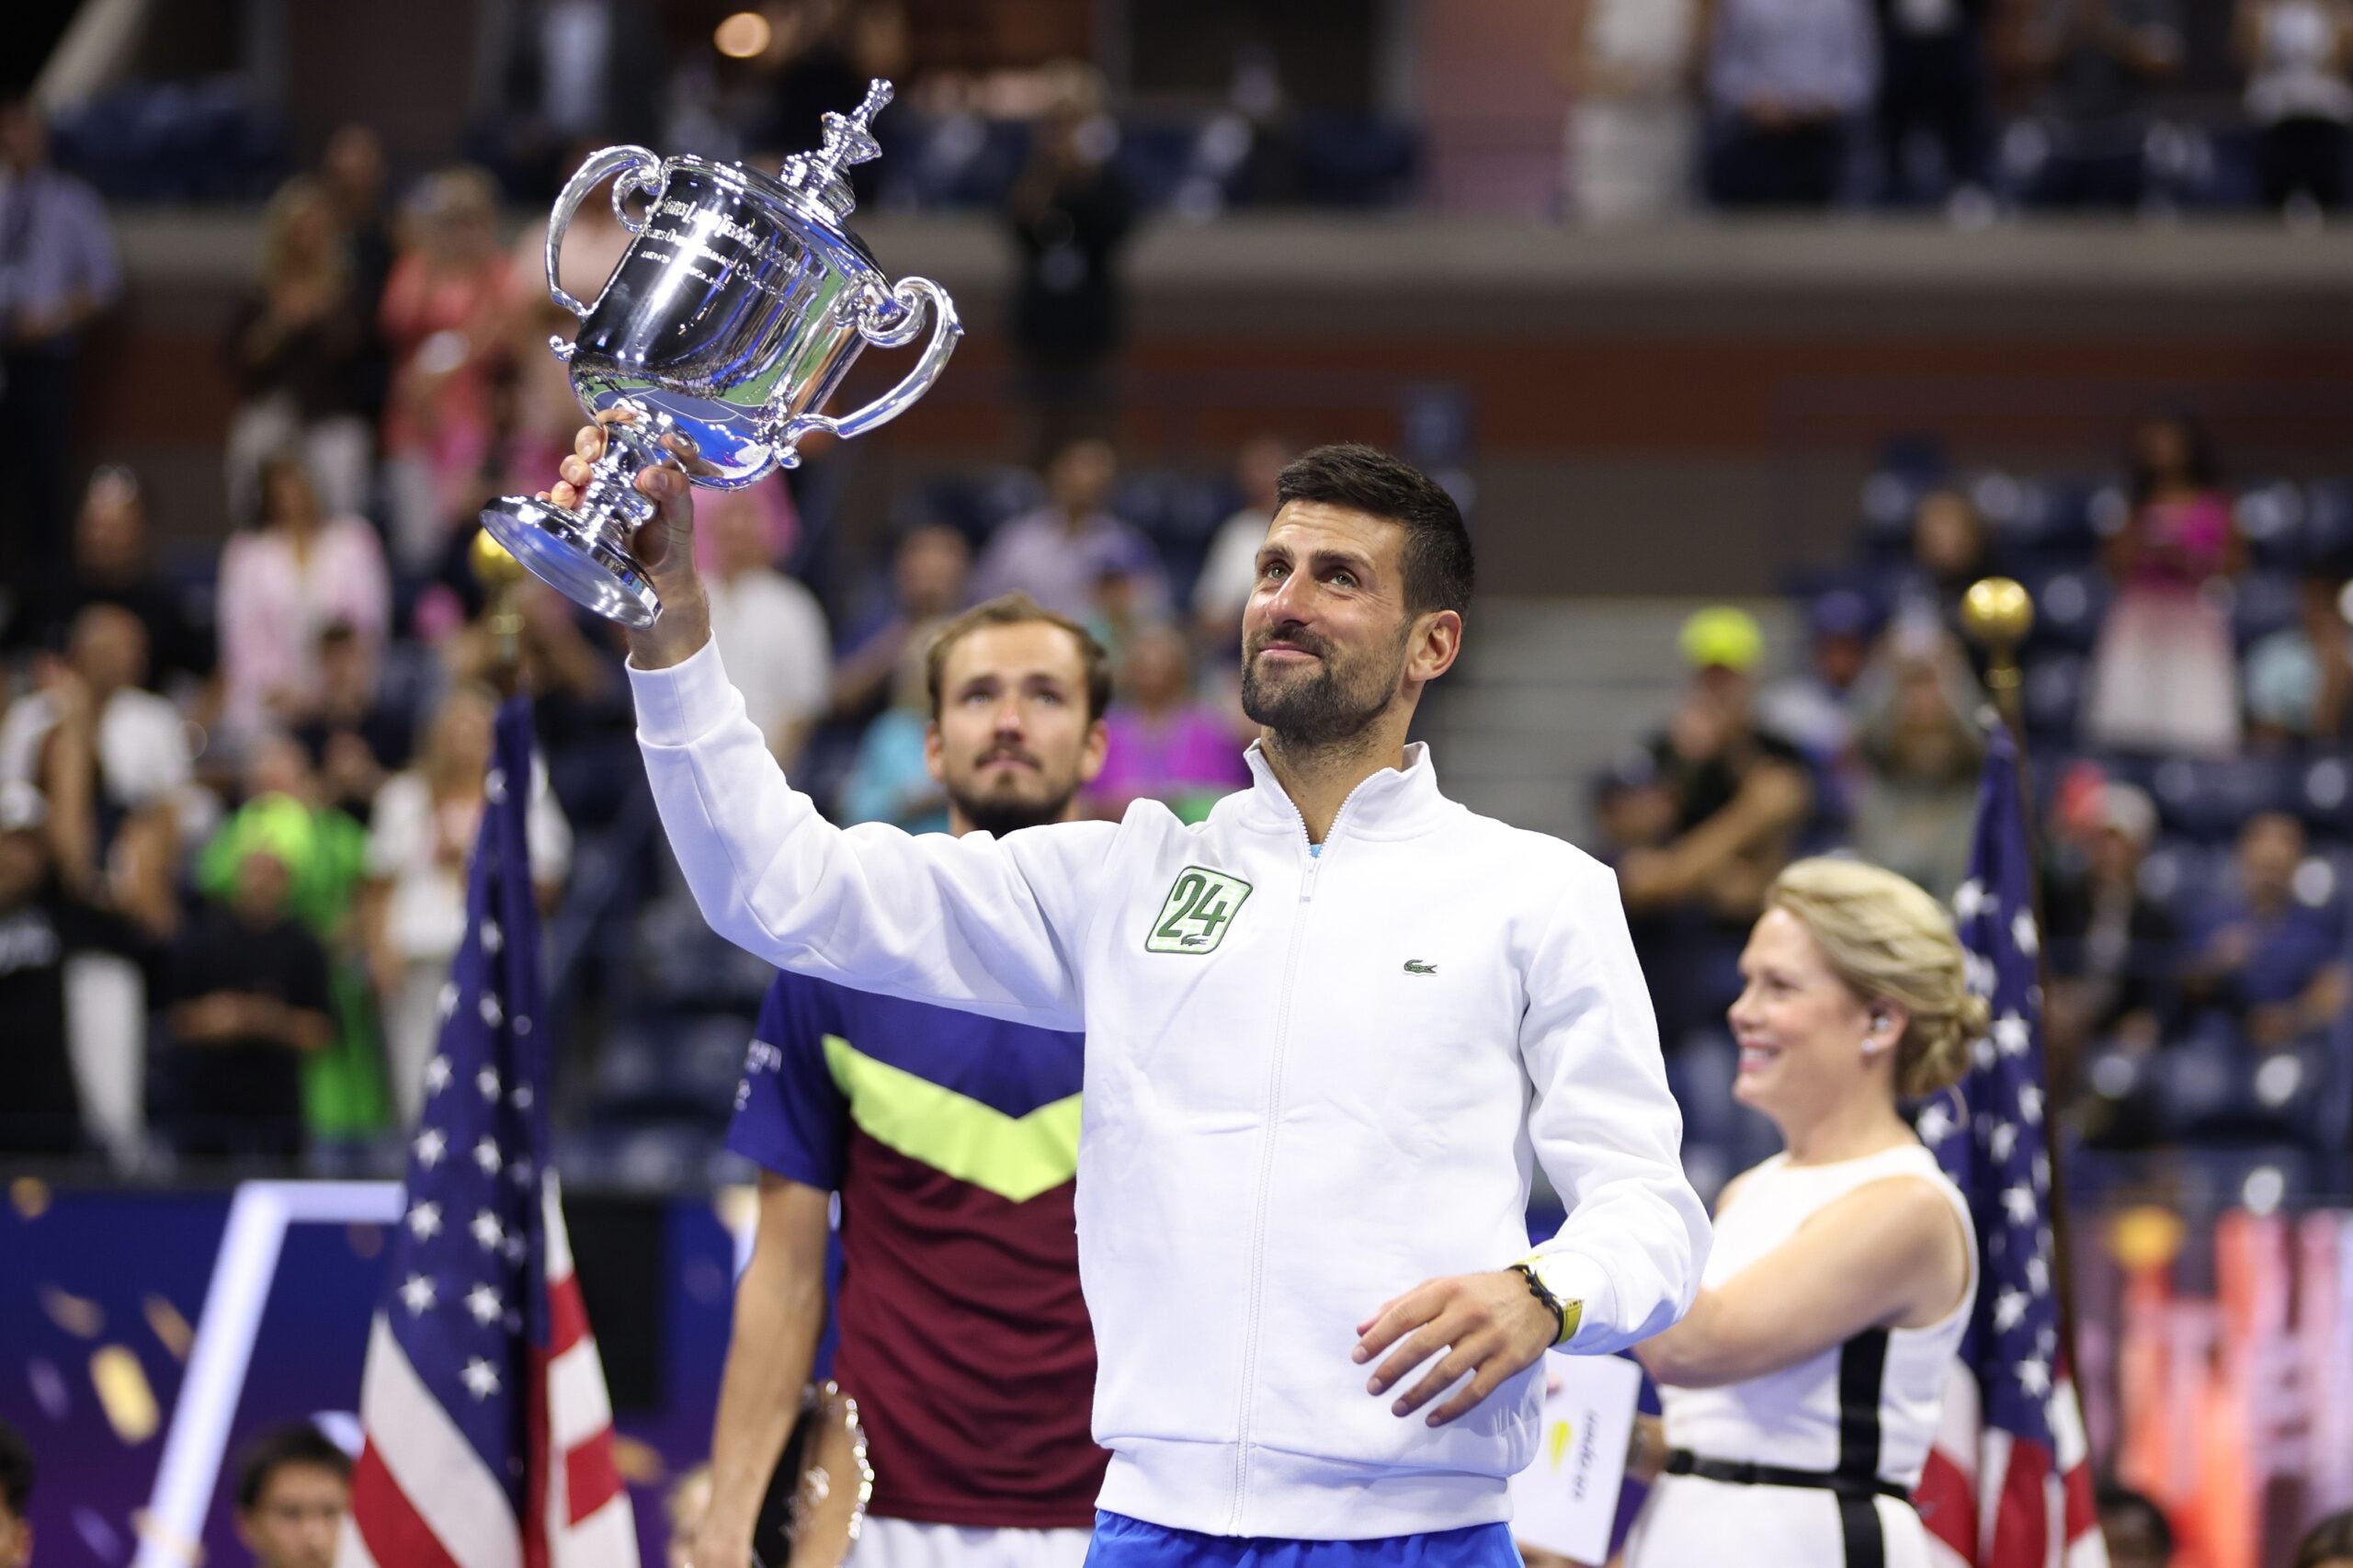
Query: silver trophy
pixel 733 316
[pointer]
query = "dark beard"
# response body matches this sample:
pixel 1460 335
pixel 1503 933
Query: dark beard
pixel 1336 706
pixel 999 815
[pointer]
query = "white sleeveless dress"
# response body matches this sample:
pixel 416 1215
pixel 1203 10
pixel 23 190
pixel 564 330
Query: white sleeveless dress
pixel 1868 1407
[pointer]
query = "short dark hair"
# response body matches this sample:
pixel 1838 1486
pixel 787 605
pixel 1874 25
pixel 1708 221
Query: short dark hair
pixel 1438 568
pixel 1018 610
pixel 2110 1495
pixel 272 1451
pixel 15 1470
pixel 2331 1540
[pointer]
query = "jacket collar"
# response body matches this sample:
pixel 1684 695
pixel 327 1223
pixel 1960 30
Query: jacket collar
pixel 1395 803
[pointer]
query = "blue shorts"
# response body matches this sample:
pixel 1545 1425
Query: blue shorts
pixel 1124 1542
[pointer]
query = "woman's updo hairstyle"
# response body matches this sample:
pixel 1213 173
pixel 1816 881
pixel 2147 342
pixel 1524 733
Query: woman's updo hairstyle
pixel 1890 941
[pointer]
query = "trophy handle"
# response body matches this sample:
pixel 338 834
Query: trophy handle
pixel 890 321
pixel 644 169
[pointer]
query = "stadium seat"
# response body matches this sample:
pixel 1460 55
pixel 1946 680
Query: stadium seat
pixel 2262 603
pixel 2069 605
pixel 2211 800
pixel 2053 694
pixel 1354 160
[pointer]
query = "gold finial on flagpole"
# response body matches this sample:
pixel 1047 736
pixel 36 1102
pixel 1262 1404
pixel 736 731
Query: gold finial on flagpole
pixel 500 573
pixel 1998 613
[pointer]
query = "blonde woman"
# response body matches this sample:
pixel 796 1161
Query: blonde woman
pixel 1802 1391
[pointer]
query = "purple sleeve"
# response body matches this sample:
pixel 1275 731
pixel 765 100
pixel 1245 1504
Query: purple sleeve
pixel 791 1118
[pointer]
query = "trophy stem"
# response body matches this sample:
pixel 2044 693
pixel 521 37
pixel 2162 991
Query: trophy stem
pixel 582 551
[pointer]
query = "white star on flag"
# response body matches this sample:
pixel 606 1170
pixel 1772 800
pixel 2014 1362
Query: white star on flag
pixel 486 1156
pixel 492 938
pixel 2009 1310
pixel 2019 1202
pixel 484 1304
pixel 521 1098
pixel 2034 1377
pixel 2038 1275
pixel 448 1002
pixel 1969 899
pixel 2022 931
pixel 490 1013
pixel 521 1171
pixel 1935 1124
pixel 2030 1103
pixel 1983 1051
pixel 2004 1139
pixel 2010 1032
pixel 425 1222
pixel 430 1144
pixel 493 785
pixel 481 1378
pixel 436 1075
pixel 487 1082
pixel 418 1294
pixel 487 1230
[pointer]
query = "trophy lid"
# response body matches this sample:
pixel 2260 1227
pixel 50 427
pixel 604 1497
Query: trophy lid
pixel 848 140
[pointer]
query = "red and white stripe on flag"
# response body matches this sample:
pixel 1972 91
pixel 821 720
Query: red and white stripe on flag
pixel 1990 1501
pixel 420 1494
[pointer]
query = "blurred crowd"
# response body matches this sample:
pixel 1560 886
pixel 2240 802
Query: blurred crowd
pixel 236 793
pixel 1977 104
pixel 1982 105
pixel 2185 704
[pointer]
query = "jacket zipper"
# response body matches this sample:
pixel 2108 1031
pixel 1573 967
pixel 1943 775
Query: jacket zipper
pixel 1266 1163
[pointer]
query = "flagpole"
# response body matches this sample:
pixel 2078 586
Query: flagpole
pixel 502 574
pixel 1998 613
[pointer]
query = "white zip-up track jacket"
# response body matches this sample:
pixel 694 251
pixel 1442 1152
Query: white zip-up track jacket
pixel 1312 1084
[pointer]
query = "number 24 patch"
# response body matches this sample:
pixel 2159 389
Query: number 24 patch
pixel 1197 912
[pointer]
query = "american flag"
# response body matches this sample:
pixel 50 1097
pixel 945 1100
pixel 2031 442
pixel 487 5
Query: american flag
pixel 2008 1481
pixel 489 1431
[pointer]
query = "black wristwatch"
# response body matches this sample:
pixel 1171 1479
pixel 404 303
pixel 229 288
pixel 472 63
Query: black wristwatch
pixel 1566 1314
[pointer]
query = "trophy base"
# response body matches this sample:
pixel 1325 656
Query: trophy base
pixel 579 556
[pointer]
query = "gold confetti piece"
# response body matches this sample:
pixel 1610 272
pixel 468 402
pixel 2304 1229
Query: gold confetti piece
pixel 77 1315
pixel 169 1326
pixel 124 1396
pixel 637 1463
pixel 29 1195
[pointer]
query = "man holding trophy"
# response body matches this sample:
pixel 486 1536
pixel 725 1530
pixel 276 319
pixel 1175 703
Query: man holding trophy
pixel 1328 1032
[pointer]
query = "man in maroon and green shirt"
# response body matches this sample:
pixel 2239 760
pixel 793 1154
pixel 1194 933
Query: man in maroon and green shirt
pixel 951 1142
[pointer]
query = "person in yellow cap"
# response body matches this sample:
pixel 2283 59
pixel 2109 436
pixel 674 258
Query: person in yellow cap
pixel 1740 792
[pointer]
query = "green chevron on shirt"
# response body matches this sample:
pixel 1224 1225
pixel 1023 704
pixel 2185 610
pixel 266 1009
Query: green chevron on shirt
pixel 1015 1157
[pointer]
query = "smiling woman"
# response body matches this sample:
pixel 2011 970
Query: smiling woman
pixel 1802 1390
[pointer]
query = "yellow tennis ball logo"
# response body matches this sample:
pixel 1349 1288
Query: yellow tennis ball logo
pixel 1557 1444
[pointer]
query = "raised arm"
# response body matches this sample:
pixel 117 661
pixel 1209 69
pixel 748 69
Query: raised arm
pixel 988 925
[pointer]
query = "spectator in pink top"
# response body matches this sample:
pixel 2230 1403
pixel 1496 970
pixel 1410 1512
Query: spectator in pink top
pixel 285 581
pixel 445 319
pixel 1163 742
pixel 2165 676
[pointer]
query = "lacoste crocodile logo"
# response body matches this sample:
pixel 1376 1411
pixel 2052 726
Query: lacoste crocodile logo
pixel 1415 966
